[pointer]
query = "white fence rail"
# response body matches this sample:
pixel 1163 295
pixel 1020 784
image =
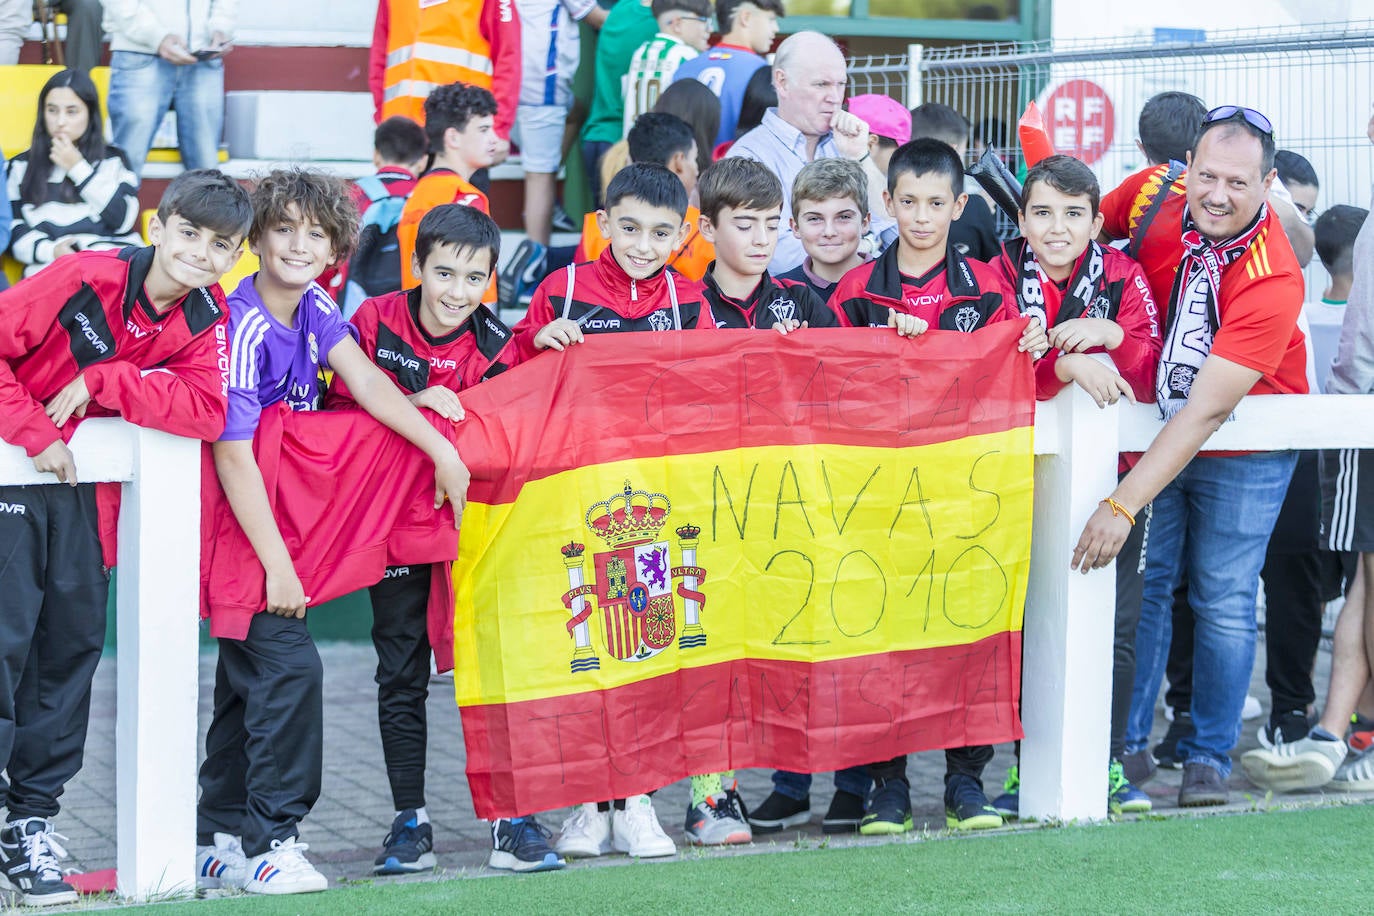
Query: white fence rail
pixel 1066 683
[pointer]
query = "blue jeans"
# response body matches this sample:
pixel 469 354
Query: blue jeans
pixel 853 780
pixel 144 86
pixel 1214 521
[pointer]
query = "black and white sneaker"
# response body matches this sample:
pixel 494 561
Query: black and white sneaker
pixel 408 848
pixel 778 812
pixel 522 844
pixel 31 853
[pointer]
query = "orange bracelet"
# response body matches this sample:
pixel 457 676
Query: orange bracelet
pixel 1118 509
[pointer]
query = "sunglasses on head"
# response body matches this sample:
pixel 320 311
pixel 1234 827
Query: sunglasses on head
pixel 1237 113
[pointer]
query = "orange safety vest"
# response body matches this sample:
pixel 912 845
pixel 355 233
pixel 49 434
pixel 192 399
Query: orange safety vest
pixel 432 44
pixel 435 188
pixel 691 259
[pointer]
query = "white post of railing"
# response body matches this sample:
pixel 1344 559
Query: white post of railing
pixel 914 92
pixel 1066 684
pixel 158 671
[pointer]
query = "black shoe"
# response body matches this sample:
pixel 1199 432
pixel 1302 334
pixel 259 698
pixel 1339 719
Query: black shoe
pixel 1202 786
pixel 1284 728
pixel 778 812
pixel 1139 767
pixel 967 807
pixel 888 809
pixel 408 848
pixel 31 852
pixel 845 813
pixel 562 222
pixel 1166 751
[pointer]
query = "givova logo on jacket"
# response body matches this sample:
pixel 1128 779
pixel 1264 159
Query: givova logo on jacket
pixel 633 582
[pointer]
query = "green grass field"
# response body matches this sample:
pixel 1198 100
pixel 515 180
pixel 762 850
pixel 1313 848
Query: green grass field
pixel 1310 861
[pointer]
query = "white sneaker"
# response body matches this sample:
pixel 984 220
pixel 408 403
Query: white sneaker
pixel 221 865
pixel 1307 763
pixel 1356 774
pixel 585 834
pixel 283 869
pixel 636 830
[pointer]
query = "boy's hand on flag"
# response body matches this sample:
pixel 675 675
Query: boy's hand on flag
pixel 906 325
pixel 788 326
pixel 441 400
pixel 1078 335
pixel 558 334
pixel 1034 340
pixel 451 479
pixel 71 400
pixel 57 459
pixel 286 596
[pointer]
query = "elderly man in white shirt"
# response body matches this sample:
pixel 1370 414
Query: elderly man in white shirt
pixel 810 122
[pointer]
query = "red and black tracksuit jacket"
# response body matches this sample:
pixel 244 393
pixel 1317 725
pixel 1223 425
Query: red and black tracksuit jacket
pixel 959 295
pixel 87 315
pixel 772 300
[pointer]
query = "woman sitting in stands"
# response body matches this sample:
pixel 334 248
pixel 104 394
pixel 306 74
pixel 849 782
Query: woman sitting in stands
pixel 70 190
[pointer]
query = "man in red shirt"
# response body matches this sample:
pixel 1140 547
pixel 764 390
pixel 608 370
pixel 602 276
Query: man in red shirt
pixel 1217 256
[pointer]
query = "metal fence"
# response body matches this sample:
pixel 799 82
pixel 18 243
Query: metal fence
pixel 1315 82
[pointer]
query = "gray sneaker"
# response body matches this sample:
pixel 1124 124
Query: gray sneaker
pixel 718 821
pixel 1307 763
pixel 1356 774
pixel 1202 785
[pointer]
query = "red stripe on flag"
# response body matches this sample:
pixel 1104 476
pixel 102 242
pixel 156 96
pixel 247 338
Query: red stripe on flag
pixel 707 392
pixel 551 753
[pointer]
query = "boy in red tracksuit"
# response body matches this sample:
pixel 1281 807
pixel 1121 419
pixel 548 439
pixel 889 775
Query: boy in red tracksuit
pixel 140 333
pixel 629 287
pixel 1094 299
pixel 433 341
pixel 921 282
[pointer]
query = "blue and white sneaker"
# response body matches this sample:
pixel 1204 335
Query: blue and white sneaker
pixel 522 844
pixel 221 865
pixel 1008 804
pixel 1122 797
pixel 408 848
pixel 284 869
pixel 521 274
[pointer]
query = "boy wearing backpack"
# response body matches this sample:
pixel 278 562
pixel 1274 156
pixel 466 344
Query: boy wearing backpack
pixel 399 148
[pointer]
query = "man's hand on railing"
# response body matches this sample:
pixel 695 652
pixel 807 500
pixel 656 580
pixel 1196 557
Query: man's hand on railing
pixel 57 459
pixel 71 400
pixel 1102 538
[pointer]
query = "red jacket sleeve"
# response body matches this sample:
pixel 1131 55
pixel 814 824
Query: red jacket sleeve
pixel 28 311
pixel 540 313
pixel 841 293
pixel 188 395
pixel 1137 359
pixel 376 59
pixel 503 33
pixel 338 397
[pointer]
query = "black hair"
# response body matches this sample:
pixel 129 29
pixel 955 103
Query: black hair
pixel 1066 175
pixel 1168 123
pixel 700 108
pixel 726 10
pixel 400 140
pixel 461 226
pixel 738 183
pixel 656 136
pixel 652 184
pixel 926 156
pixel 91 144
pixel 454 106
pixel 695 7
pixel 1335 232
pixel 759 95
pixel 208 199
pixel 1230 126
pixel 1295 169
pixel 939 122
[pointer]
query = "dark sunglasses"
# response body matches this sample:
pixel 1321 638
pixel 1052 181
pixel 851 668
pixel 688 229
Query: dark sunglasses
pixel 1237 113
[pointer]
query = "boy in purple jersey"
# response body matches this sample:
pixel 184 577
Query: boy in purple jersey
pixel 264 748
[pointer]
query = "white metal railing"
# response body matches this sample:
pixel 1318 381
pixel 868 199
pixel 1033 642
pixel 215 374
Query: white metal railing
pixel 1067 674
pixel 157 672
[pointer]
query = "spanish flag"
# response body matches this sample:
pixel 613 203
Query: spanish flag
pixel 684 553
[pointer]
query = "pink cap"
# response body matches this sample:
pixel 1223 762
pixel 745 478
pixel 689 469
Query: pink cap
pixel 884 116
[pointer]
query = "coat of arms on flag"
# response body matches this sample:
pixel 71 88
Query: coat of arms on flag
pixel 633 582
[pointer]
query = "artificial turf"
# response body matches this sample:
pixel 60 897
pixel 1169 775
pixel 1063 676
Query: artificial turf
pixel 1307 861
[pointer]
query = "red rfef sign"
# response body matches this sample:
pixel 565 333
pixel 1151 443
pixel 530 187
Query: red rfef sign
pixel 1082 122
